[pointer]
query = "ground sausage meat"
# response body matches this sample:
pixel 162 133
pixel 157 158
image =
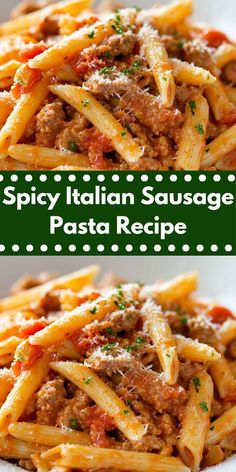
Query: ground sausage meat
pixel 50 400
pixel 49 122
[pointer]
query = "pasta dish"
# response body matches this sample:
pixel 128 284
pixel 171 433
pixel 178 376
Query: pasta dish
pixel 115 89
pixel 116 376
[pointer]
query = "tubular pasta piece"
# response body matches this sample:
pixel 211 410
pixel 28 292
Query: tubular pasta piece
pixel 47 435
pixel 46 157
pixel 187 348
pixel 191 74
pixel 222 427
pixel 11 448
pixel 219 147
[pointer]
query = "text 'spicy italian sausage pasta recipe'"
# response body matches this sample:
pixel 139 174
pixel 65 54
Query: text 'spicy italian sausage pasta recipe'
pixel 116 376
pixel 115 89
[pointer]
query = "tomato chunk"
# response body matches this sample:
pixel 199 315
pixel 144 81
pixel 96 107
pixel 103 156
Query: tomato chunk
pixel 215 38
pixel 33 327
pixel 32 51
pixel 24 85
pixel 219 314
pixel 22 364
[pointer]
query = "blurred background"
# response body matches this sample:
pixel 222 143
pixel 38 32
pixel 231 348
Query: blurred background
pixel 217 274
pixel 219 13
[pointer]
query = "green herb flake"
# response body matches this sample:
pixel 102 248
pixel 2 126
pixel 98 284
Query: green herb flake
pixel 93 311
pixel 212 427
pixel 86 103
pixel 203 406
pixel 184 320
pixel 180 44
pixel 136 64
pixel 19 82
pixel 125 412
pixel 199 128
pixel 120 305
pixel 193 106
pixel 129 402
pixel 168 355
pixel 164 78
pixel 88 380
pixel 73 423
pixel 72 145
pixel 130 347
pixel 123 133
pixel 106 70
pixel 19 358
pixel 108 346
pixel 91 35
pixel 196 383
pixel 107 54
pixel 110 331
pixel 139 340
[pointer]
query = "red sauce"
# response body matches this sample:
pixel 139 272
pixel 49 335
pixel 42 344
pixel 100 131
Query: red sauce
pixel 21 365
pixel 31 77
pixel 215 38
pixel 97 144
pixel 86 63
pixel 99 423
pixel 32 51
pixel 219 314
pixel 83 341
pixel 33 327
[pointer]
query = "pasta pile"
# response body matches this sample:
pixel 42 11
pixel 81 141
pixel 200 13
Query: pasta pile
pixel 115 89
pixel 117 376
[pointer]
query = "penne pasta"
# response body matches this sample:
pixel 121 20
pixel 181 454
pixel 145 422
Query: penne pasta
pixel 221 427
pixel 7 349
pixel 196 421
pixel 73 281
pixel 171 14
pixel 47 435
pixel 229 442
pixel 85 457
pixel 11 448
pixel 222 376
pixel 227 331
pixel 193 137
pixel 218 100
pixel 46 157
pixel 214 456
pixel 176 288
pixel 101 119
pixel 7 380
pixel 163 340
pixel 190 74
pixel 7 71
pixel 224 54
pixel 104 396
pixel 187 348
pixel 219 147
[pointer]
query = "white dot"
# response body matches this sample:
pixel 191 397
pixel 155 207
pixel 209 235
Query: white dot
pixel 115 178
pixel 58 248
pixel 130 178
pixel 101 178
pixel 200 247
pixel 231 178
pixel 214 248
pixel 173 178
pixel 185 247
pixel 72 178
pixel 86 178
pixel 159 178
pixel 43 178
pixel 144 178
pixel 143 248
pixel 187 178
pixel 1 178
pixel 15 248
pixel 157 248
pixel 28 178
pixel 2 248
pixel 29 248
pixel 72 248
pixel 171 248
pixel 86 248
pixel 100 248
pixel 202 178
pixel 216 178
pixel 129 248
pixel 44 248
pixel 14 178
pixel 114 248
pixel 57 178
pixel 228 247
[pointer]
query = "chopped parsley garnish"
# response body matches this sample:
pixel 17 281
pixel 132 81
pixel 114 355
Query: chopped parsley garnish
pixel 125 412
pixel 72 145
pixel 118 28
pixel 136 64
pixel 131 70
pixel 91 35
pixel 120 305
pixel 19 358
pixel 196 383
pixel 164 78
pixel 203 406
pixel 107 54
pixel 88 380
pixel 93 311
pixel 106 70
pixel 139 340
pixel 110 331
pixel 212 427
pixel 130 347
pixel 19 82
pixel 108 346
pixel 184 320
pixel 168 355
pixel 199 128
pixel 129 402
pixel 180 44
pixel 86 103
pixel 123 133
pixel 73 423
pixel 193 106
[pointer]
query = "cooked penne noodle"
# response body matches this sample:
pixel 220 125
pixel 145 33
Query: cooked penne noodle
pixel 40 464
pixel 7 349
pixel 11 448
pixel 8 70
pixel 87 458
pixel 227 331
pixel 160 65
pixel 23 389
pixel 163 340
pixel 190 74
pixel 196 421
pixel 7 380
pixel 66 349
pixel 188 348
pixel 222 376
pixel 193 135
pixel 229 442
pixel 74 281
pixel 214 456
pixel 25 108
pixel 176 288
pixel 221 427
pixel 104 396
pixel 219 147
pixel 224 54
pixel 102 119
pixel 231 93
pixel 218 100
pixel 171 14
pixel 46 157
pixel 47 435
pixel 73 7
